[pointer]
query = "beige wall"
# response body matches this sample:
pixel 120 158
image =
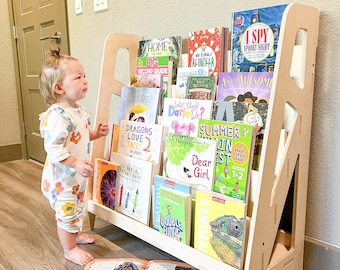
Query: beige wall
pixel 177 17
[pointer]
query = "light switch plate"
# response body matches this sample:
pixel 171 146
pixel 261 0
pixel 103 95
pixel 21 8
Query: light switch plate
pixel 99 5
pixel 78 6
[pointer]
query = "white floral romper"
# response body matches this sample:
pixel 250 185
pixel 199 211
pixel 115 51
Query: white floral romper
pixel 65 132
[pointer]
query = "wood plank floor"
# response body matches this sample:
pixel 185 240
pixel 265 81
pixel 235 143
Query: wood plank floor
pixel 28 237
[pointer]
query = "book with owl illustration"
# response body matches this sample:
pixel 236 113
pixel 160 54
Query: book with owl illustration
pixel 139 104
pixel 235 144
pixel 208 48
pixel 133 188
pixel 105 182
pixel 141 140
pixel 181 115
pixel 219 228
pixel 175 214
pixel 255 36
pixel 190 159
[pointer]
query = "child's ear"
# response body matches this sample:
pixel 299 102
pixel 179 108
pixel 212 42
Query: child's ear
pixel 58 89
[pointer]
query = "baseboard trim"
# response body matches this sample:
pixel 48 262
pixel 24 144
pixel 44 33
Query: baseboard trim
pixel 10 152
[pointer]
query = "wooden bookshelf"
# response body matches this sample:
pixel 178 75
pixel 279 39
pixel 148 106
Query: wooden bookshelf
pixel 290 113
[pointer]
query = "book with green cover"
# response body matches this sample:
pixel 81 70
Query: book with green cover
pixel 235 143
pixel 175 214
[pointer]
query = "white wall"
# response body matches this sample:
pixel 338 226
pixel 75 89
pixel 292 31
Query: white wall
pixel 155 18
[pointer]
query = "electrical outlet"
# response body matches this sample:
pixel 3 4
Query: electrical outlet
pixel 99 5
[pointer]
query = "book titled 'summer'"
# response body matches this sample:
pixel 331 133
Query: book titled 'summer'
pixel 139 104
pixel 181 115
pixel 133 190
pixel 255 36
pixel 235 144
pixel 190 159
pixel 219 229
pixel 175 214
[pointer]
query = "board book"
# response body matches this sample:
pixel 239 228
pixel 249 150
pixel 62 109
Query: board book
pixel 175 214
pixel 181 115
pixel 133 196
pixel 190 159
pixel 255 36
pixel 235 148
pixel 136 264
pixel 219 228
pixel 244 86
pixel 105 182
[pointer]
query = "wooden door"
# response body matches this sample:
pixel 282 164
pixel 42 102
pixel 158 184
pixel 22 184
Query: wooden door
pixel 40 25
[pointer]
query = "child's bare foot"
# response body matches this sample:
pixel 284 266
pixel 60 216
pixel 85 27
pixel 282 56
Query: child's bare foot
pixel 78 256
pixel 84 238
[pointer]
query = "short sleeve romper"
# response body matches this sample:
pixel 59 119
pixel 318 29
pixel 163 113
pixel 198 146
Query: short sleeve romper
pixel 65 132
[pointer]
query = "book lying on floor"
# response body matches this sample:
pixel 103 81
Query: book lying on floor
pixel 136 264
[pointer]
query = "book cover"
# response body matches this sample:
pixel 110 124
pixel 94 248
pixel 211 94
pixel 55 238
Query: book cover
pixel 201 87
pixel 255 35
pixel 235 144
pixel 164 46
pixel 133 196
pixel 254 114
pixel 182 77
pixel 219 228
pixel 105 182
pixel 139 104
pixel 136 264
pixel 161 181
pixel 162 65
pixel 208 48
pixel 141 140
pixel 244 86
pixel 190 159
pixel 175 214
pixel 181 115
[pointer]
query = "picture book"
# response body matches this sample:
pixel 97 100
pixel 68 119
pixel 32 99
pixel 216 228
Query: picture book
pixel 164 46
pixel 182 77
pixel 190 159
pixel 255 35
pixel 133 188
pixel 141 140
pixel 201 87
pixel 139 104
pixel 235 148
pixel 254 114
pixel 161 181
pixel 219 228
pixel 244 86
pixel 181 115
pixel 162 65
pixel 208 48
pixel 105 182
pixel 136 264
pixel 175 214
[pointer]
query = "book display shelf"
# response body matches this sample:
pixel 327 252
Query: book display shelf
pixel 289 120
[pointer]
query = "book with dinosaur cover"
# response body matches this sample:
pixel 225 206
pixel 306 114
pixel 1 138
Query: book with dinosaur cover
pixel 190 159
pixel 136 264
pixel 139 104
pixel 161 181
pixel 255 36
pixel 219 228
pixel 235 144
pixel 244 86
pixel 133 188
pixel 181 115
pixel 175 214
pixel 208 48
pixel 105 182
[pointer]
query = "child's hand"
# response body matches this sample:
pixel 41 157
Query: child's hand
pixel 102 130
pixel 84 168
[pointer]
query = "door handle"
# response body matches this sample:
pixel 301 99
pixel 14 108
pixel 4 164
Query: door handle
pixel 57 37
